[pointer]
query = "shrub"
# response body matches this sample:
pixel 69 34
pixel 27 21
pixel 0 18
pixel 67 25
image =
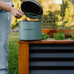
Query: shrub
pixel 45 36
pixel 72 36
pixel 59 36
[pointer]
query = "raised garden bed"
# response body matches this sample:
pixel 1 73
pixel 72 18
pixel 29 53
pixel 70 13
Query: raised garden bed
pixel 52 31
pixel 54 34
pixel 46 57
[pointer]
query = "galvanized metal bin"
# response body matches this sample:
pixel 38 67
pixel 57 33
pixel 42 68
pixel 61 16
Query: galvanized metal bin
pixel 30 30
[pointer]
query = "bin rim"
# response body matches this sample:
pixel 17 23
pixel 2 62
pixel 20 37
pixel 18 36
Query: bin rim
pixel 29 21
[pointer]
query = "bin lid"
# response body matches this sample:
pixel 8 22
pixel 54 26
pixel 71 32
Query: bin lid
pixel 32 9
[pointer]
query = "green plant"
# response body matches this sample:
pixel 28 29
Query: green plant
pixel 59 36
pixel 45 36
pixel 72 36
pixel 62 26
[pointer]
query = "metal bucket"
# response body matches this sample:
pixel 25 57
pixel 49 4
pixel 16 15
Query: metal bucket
pixel 30 30
pixel 32 9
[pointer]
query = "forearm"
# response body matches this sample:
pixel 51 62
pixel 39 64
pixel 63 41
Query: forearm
pixel 5 6
pixel 14 11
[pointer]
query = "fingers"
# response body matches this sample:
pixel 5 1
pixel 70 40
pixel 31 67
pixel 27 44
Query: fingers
pixel 22 0
pixel 19 14
pixel 16 13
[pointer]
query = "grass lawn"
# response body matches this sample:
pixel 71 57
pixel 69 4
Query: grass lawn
pixel 13 53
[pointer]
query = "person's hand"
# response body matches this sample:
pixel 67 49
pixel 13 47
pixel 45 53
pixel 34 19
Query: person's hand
pixel 16 12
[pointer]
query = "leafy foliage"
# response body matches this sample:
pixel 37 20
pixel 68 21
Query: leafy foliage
pixel 45 36
pixel 59 36
pixel 72 36
pixel 53 14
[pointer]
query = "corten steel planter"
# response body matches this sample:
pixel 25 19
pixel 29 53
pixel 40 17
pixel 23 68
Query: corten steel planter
pixel 52 31
pixel 46 57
